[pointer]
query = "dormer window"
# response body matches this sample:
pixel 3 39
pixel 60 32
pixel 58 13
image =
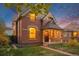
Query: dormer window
pixel 32 17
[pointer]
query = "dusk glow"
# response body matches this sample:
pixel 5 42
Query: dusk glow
pixel 63 13
pixel 29 31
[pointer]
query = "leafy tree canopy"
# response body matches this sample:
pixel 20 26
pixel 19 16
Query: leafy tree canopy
pixel 40 8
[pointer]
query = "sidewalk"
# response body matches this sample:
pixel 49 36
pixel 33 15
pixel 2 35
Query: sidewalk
pixel 59 51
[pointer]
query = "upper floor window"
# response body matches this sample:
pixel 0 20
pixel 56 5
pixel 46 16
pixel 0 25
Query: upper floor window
pixel 32 16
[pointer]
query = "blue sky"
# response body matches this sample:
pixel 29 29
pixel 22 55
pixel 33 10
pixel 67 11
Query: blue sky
pixel 63 13
pixel 6 14
pixel 65 10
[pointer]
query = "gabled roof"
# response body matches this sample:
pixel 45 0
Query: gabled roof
pixel 16 18
pixel 52 25
pixel 72 27
pixel 50 22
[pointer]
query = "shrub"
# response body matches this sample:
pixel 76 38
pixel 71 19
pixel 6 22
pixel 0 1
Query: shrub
pixel 4 40
pixel 73 42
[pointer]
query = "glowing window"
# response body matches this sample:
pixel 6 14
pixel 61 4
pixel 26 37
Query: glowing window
pixel 32 17
pixel 32 33
pixel 74 34
pixel 46 33
pixel 55 34
pixel 78 34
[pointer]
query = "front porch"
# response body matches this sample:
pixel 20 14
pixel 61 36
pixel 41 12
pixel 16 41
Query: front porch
pixel 52 36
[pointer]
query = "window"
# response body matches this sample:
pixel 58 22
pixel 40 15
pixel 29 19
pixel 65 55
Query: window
pixel 78 34
pixel 55 34
pixel 46 33
pixel 52 33
pixel 74 34
pixel 32 33
pixel 32 17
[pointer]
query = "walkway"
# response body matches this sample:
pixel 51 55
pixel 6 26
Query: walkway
pixel 59 51
pixel 14 46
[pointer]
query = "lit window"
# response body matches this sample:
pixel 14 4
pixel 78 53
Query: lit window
pixel 74 34
pixel 55 34
pixel 32 33
pixel 78 34
pixel 46 33
pixel 32 17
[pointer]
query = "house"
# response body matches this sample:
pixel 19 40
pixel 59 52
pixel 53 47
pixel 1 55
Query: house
pixel 71 31
pixel 32 29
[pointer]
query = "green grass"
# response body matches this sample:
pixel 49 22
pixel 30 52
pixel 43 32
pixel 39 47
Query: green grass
pixel 67 48
pixel 29 51
pixel 38 51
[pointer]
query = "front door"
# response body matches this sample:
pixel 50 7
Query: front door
pixel 46 36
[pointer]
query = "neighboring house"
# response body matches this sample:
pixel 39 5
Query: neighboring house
pixel 71 31
pixel 32 29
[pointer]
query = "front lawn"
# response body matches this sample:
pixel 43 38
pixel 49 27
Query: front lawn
pixel 66 48
pixel 29 51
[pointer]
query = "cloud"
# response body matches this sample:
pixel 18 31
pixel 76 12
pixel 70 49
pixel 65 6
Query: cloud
pixel 9 24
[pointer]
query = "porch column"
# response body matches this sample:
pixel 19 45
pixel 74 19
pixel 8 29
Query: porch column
pixel 49 36
pixel 62 36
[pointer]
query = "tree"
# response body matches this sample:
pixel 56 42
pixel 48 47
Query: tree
pixel 40 8
pixel 3 37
